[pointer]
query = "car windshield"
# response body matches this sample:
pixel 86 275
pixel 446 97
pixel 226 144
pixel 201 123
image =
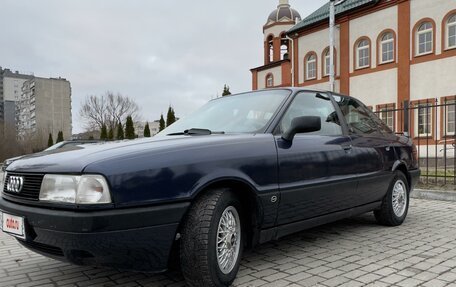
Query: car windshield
pixel 244 113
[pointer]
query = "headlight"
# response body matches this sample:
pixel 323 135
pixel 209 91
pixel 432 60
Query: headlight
pixel 85 189
pixel 93 189
pixel 2 179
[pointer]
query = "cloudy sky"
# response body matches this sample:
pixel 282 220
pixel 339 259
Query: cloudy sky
pixel 157 52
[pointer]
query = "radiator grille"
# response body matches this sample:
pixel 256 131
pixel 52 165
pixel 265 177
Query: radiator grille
pixel 31 186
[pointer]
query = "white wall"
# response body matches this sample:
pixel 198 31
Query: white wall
pixel 277 72
pixel 433 79
pixel 431 152
pixel 317 42
pixel 375 88
pixel 323 86
pixel 371 26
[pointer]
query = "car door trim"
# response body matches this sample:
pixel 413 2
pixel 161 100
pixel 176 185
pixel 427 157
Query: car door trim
pixel 290 228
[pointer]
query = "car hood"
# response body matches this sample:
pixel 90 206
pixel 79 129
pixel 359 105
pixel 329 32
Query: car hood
pixel 75 159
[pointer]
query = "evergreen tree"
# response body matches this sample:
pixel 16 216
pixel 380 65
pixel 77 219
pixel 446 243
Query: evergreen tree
pixel 104 133
pixel 129 129
pixel 226 91
pixel 147 131
pixel 120 131
pixel 161 123
pixel 50 141
pixel 110 134
pixel 59 137
pixel 170 117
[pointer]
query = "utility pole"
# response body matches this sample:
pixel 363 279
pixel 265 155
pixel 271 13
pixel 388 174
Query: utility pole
pixel 332 21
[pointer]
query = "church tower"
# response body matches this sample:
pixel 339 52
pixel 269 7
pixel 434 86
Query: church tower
pixel 279 21
pixel 276 70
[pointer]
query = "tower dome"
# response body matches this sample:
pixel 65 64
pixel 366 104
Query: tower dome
pixel 284 12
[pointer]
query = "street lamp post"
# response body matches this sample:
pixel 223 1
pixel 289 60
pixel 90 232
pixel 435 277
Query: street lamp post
pixel 332 20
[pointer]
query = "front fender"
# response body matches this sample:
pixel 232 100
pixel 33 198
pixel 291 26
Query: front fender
pixel 227 174
pixel 266 208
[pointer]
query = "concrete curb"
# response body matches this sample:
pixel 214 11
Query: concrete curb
pixel 433 195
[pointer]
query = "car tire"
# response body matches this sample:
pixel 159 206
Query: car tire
pixel 395 204
pixel 215 216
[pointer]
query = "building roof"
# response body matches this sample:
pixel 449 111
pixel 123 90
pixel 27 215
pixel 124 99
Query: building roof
pixel 323 13
pixel 270 65
pixel 284 12
pixel 7 73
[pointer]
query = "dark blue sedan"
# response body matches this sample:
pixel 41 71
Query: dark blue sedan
pixel 242 170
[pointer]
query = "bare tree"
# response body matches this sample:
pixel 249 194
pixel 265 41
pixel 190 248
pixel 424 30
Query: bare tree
pixel 108 109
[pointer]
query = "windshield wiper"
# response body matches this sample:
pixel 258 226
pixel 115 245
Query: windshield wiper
pixel 198 132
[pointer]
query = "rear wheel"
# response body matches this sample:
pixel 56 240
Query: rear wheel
pixel 212 240
pixel 394 208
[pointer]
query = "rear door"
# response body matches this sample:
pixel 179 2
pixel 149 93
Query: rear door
pixel 315 169
pixel 372 147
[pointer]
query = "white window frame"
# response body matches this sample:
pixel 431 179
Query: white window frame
pixel 314 62
pixel 389 119
pixel 417 115
pixel 448 117
pixel 271 49
pixel 269 81
pixel 359 49
pixel 419 33
pixel 283 51
pixel 327 60
pixel 448 26
pixel 284 47
pixel 383 43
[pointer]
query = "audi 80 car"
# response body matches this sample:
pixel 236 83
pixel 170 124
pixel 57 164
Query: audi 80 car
pixel 240 171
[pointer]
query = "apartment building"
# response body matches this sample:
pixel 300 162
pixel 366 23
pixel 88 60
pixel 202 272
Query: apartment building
pixel 44 107
pixel 10 91
pixel 388 53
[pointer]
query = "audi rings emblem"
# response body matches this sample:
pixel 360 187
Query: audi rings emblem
pixel 15 184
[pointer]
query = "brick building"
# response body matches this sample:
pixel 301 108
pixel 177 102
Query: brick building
pixel 386 52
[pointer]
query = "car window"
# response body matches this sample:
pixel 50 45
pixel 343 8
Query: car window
pixel 244 113
pixel 313 104
pixel 381 125
pixel 360 119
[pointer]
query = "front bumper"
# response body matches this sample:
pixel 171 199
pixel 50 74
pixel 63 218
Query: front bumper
pixel 138 239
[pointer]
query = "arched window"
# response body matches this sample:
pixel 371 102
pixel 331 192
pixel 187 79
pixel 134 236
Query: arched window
pixel 451 32
pixel 284 47
pixel 270 56
pixel 425 39
pixel 362 54
pixel 327 63
pixel 311 66
pixel 387 47
pixel 269 80
pixel 326 66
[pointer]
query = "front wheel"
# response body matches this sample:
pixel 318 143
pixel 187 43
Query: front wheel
pixel 212 240
pixel 395 205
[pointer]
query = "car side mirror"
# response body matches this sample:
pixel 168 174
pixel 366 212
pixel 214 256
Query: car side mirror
pixel 306 124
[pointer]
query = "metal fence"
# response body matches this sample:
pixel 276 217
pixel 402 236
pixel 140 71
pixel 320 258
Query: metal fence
pixel 431 124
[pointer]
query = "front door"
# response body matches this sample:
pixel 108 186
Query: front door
pixel 315 174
